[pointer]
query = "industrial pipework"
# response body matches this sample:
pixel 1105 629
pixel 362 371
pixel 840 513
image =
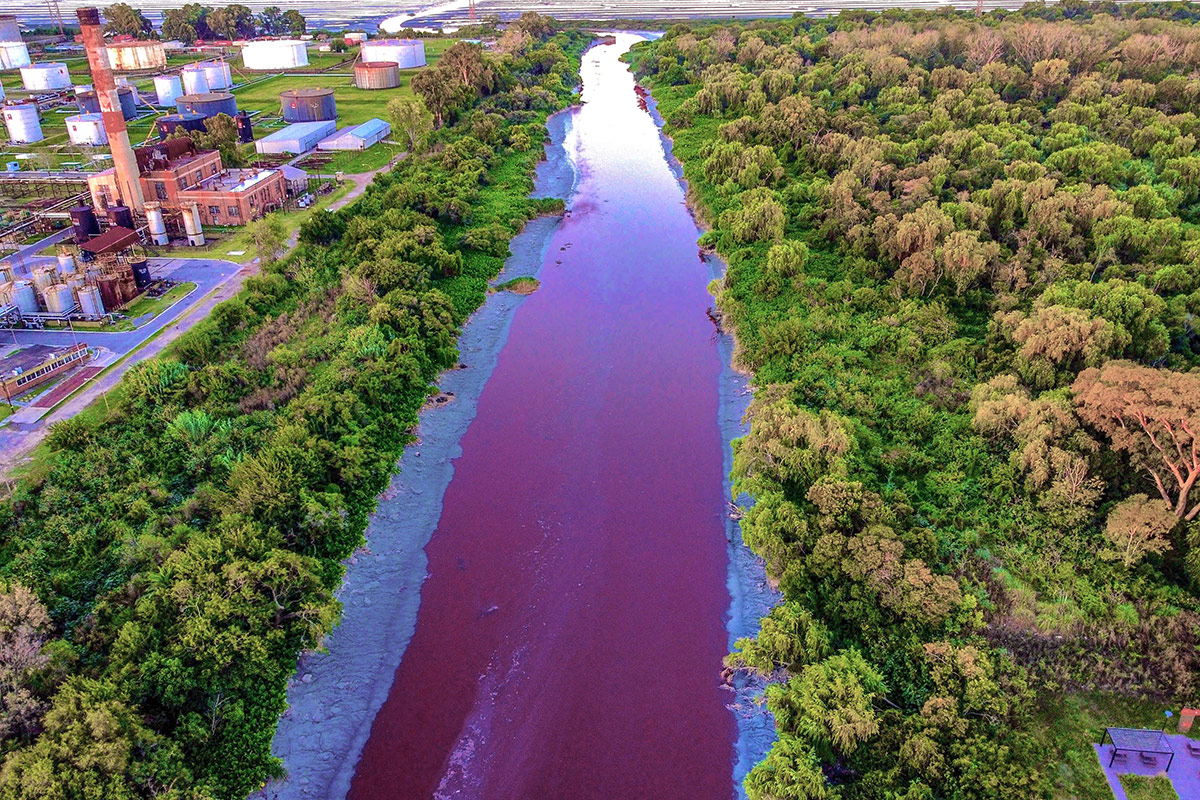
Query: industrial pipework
pixel 110 108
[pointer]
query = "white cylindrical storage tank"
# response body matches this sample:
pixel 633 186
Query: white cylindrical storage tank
pixel 167 88
pixel 191 225
pixel 59 298
pixel 156 223
pixel 132 56
pixel 83 88
pixel 87 129
pixel 66 264
pixel 13 55
pixel 277 54
pixel 89 301
pixel 22 122
pixel 45 77
pixel 219 75
pixel 407 53
pixel 45 276
pixel 195 80
pixel 24 297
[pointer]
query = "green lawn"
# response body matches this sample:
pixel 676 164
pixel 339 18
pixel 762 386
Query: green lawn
pixel 1141 787
pixel 1070 725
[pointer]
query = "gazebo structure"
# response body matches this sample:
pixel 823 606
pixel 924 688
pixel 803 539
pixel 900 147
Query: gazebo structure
pixel 1148 743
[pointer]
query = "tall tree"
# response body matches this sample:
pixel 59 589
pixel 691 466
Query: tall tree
pixel 1136 528
pixel 122 18
pixel 1154 416
pixel 410 116
pixel 294 22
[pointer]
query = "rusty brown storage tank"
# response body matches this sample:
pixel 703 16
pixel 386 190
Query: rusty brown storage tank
pixel 189 122
pixel 377 75
pixel 308 105
pixel 207 105
pixel 90 104
pixel 132 56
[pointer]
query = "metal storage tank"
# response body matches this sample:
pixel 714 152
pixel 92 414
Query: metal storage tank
pixel 13 55
pixel 90 104
pixel 6 272
pixel 167 89
pixel 90 302
pixel 59 298
pixel 24 297
pixel 195 79
pixel 45 76
pixel 275 54
pixel 80 88
pixel 354 37
pixel 45 276
pixel 218 73
pixel 1 91
pixel 208 104
pixel 87 129
pixel 66 264
pixel 22 122
pixel 121 216
pixel 189 122
pixel 407 53
pixel 308 105
pixel 131 56
pixel 377 75
pixel 141 274
pixel 245 127
pixel 9 30
pixel 83 221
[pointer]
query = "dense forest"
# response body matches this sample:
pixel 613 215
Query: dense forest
pixel 964 270
pixel 164 563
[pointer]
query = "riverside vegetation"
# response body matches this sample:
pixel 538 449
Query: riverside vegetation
pixel 163 562
pixel 964 269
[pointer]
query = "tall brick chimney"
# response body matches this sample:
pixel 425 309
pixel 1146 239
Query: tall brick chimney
pixel 110 108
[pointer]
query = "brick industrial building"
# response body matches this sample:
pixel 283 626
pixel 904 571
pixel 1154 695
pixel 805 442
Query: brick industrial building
pixel 177 174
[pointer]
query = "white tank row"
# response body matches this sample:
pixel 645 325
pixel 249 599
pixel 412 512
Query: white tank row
pixel 57 297
pixel 206 76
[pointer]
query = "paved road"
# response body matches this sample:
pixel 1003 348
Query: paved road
pixel 205 273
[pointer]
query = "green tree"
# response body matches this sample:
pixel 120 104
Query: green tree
pixel 410 117
pixel 122 18
pixel 269 236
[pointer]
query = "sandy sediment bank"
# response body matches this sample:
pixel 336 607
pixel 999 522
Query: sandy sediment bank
pixel 751 596
pixel 335 694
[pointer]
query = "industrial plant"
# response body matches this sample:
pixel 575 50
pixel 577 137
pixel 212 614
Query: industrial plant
pixel 127 196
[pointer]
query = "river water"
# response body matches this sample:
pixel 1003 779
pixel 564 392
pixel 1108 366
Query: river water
pixel 570 632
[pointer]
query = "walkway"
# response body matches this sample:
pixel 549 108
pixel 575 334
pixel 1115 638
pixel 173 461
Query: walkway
pixel 1184 774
